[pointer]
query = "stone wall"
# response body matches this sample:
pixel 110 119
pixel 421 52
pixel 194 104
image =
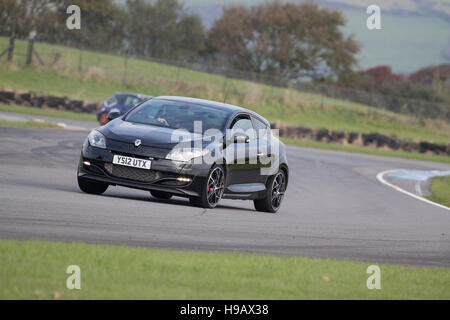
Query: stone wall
pixel 374 140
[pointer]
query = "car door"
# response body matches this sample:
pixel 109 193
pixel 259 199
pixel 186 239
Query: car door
pixel 242 156
pixel 264 154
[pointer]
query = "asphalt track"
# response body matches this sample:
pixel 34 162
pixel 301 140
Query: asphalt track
pixel 334 207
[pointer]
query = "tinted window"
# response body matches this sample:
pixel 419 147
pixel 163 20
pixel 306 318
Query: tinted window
pixel 131 101
pixel 110 101
pixel 260 127
pixel 178 115
pixel 243 124
pixel 121 98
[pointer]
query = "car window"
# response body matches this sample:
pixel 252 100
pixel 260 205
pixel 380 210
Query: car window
pixel 131 101
pixel 261 128
pixel 243 124
pixel 178 115
pixel 110 101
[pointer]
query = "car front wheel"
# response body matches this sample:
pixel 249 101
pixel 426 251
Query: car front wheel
pixel 92 187
pixel 275 189
pixel 212 191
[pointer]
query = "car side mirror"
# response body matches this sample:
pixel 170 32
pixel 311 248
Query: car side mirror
pixel 113 114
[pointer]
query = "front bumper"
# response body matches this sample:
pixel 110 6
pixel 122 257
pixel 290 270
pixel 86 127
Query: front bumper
pixel 96 164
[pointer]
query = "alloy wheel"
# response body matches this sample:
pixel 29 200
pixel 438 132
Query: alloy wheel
pixel 215 186
pixel 278 189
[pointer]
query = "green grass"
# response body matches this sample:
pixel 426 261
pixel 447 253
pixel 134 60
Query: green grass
pixel 367 150
pixel 440 190
pixel 103 74
pixel 37 270
pixel 28 124
pixel 48 112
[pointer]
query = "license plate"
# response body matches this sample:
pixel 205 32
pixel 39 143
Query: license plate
pixel 131 162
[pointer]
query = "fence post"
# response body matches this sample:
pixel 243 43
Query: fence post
pixel 178 73
pixel 225 89
pixel 80 61
pixel 126 68
pixel 30 52
pixel 11 47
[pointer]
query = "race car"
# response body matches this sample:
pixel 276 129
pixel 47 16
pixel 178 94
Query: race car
pixel 120 103
pixel 198 149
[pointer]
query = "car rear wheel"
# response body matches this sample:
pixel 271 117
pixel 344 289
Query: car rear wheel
pixel 92 187
pixel 276 187
pixel 212 191
pixel 161 194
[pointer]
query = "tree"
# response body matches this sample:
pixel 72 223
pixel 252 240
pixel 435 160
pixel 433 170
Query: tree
pixel 163 30
pixel 101 25
pixel 283 39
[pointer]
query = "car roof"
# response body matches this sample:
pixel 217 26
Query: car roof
pixel 133 94
pixel 214 104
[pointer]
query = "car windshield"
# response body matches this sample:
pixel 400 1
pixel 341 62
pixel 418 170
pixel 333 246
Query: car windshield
pixel 178 115
pixel 127 100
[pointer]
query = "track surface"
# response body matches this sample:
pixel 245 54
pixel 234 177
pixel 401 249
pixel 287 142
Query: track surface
pixel 334 208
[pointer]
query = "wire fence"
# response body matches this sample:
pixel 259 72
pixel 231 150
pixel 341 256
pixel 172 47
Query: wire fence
pixel 215 81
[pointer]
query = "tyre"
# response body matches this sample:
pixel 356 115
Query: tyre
pixel 275 189
pixel 92 187
pixel 161 195
pixel 212 190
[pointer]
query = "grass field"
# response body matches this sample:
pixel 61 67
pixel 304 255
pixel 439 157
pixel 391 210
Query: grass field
pixel 440 190
pixel 101 75
pixel 48 112
pixel 37 270
pixel 28 124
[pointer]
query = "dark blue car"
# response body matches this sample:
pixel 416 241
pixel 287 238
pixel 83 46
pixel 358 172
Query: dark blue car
pixel 121 102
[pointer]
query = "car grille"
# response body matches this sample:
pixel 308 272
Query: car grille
pixel 130 173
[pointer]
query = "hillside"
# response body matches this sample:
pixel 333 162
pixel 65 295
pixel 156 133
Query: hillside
pixel 94 77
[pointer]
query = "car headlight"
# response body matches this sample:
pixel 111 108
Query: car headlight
pixel 97 139
pixel 180 154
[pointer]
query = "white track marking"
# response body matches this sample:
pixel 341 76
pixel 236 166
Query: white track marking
pixel 380 177
pixel 418 189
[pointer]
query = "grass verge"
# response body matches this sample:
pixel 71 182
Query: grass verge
pixel 366 150
pixel 37 270
pixel 440 190
pixel 28 124
pixel 48 112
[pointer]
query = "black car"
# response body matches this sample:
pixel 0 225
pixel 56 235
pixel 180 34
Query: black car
pixel 193 148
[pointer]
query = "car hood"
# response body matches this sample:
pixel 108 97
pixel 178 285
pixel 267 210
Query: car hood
pixel 152 136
